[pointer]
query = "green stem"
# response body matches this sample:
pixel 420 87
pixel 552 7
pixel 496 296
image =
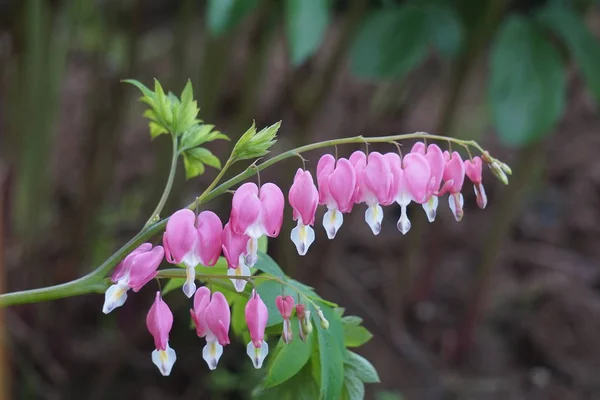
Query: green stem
pixel 91 282
pixel 155 216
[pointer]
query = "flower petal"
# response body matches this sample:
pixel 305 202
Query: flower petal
pixel 374 217
pixel 271 209
pixel 257 354
pixel 332 222
pixel 302 236
pixel 245 207
pixel 164 359
pixel 211 353
pixel 210 230
pixel 114 297
pixel 180 236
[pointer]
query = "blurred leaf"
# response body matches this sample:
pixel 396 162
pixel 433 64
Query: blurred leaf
pixel 385 395
pixel 266 264
pixel 445 28
pixel 289 359
pixel 356 336
pixel 268 291
pixel 238 316
pixel 527 83
pixel 305 25
pixel 584 47
pixel 361 367
pixel 351 320
pixel 354 388
pixel 224 15
pixel 391 42
pixel 331 350
pixel 300 387
pixel 263 244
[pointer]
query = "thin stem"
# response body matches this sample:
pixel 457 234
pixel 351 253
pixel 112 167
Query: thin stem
pixel 155 216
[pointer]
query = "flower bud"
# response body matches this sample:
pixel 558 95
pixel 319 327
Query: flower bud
pixel 506 168
pixel 324 322
pixel 498 172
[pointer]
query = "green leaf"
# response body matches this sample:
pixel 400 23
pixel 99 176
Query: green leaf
pixel 145 91
pixel 289 359
pixel 356 336
pixel 253 144
pixel 301 386
pixel 354 388
pixel 445 28
pixel 267 265
pixel 173 284
pixel 305 25
pixel 582 44
pixel 268 291
pixel 199 134
pixel 187 95
pixel 156 129
pixel 220 268
pixel 361 367
pixel 193 167
pixel 527 83
pixel 391 42
pixel 331 355
pixel 205 156
pixel 352 320
pixel 263 244
pixel 224 15
pixel 163 109
pixel 238 316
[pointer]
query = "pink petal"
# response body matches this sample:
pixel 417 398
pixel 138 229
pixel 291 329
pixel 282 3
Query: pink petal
pixel 285 305
pixel 358 159
pixel 473 169
pixel 201 300
pixel 378 177
pixel 218 317
pixel 418 147
pixel 124 267
pixel 159 322
pixel 256 317
pixel 271 212
pixel 144 266
pixel 180 235
pixel 325 167
pixel 416 176
pixel 436 161
pixel 233 245
pixel 210 230
pixel 304 197
pixel 245 207
pixel 397 176
pixel 341 185
pixel 455 171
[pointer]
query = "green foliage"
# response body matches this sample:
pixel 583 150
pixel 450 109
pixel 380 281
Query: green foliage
pixel 527 83
pixel 445 28
pixel 354 334
pixel 331 355
pixel 220 268
pixel 305 25
pixel 254 144
pixel 391 42
pixel 582 45
pixel 195 160
pixel 224 15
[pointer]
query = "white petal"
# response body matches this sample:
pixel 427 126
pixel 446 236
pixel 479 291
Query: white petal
pixel 252 252
pixel 332 222
pixel 374 216
pixel 164 360
pixel 403 223
pixel 189 287
pixel 257 355
pixel 212 352
pixel 242 270
pixel 481 196
pixel 431 208
pixel 302 236
pixel 457 209
pixel 287 334
pixel 114 297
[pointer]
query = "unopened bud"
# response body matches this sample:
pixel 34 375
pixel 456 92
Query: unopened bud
pixel 306 324
pixel 485 157
pixel 324 322
pixel 506 168
pixel 498 172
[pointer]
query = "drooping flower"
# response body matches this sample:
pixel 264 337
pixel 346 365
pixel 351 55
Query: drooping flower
pixel 212 318
pixel 137 269
pixel 256 213
pixel 435 158
pixel 454 175
pixel 234 249
pixel 410 177
pixel 304 198
pixel 159 322
pixel 337 182
pixel 191 241
pixel 473 170
pixel 256 318
pixel 373 183
pixel 285 305
pixel 304 324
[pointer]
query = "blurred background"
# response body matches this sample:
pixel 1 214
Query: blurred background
pixel 503 305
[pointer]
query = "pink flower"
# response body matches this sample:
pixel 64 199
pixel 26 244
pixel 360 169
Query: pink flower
pixel 435 158
pixel 373 183
pixel 159 322
pixel 304 324
pixel 234 250
pixel 212 318
pixel 473 170
pixel 304 198
pixel 256 213
pixel 337 182
pixel 137 269
pixel 285 305
pixel 454 175
pixel 191 241
pixel 256 318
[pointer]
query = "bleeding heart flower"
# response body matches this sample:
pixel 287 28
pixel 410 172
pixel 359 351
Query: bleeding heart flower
pixel 159 322
pixel 304 198
pixel 454 175
pixel 235 248
pixel 473 170
pixel 285 305
pixel 256 318
pixel 337 182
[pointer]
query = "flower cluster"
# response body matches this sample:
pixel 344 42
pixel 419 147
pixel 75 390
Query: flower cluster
pixel 421 176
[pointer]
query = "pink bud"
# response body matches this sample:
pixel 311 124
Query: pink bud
pixel 144 266
pixel 180 238
pixel 198 313
pixel 218 317
pixel 256 318
pixel 208 246
pixel 473 169
pixel 454 171
pixel 159 322
pixel 304 197
pixel 285 305
pixel 124 267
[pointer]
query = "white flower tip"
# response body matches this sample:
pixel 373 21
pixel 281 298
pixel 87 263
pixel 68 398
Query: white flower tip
pixel 456 206
pixel 332 222
pixel 189 287
pixel 212 353
pixel 257 354
pixel 302 236
pixel 431 208
pixel 164 360
pixel 242 270
pixel 374 217
pixel 114 297
pixel 480 195
pixel 403 223
pixel 287 334
pixel 251 252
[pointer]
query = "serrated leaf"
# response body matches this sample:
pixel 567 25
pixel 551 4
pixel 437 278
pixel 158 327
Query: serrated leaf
pixel 331 358
pixel 205 156
pixel 163 104
pixel 356 336
pixel 354 387
pixel 187 95
pixel 193 167
pixel 195 136
pixel 289 359
pixel 156 129
pixel 340 311
pixel 527 86
pixel 305 25
pixel 223 15
pixel 582 44
pixel 253 144
pixel 391 42
pixel 361 367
